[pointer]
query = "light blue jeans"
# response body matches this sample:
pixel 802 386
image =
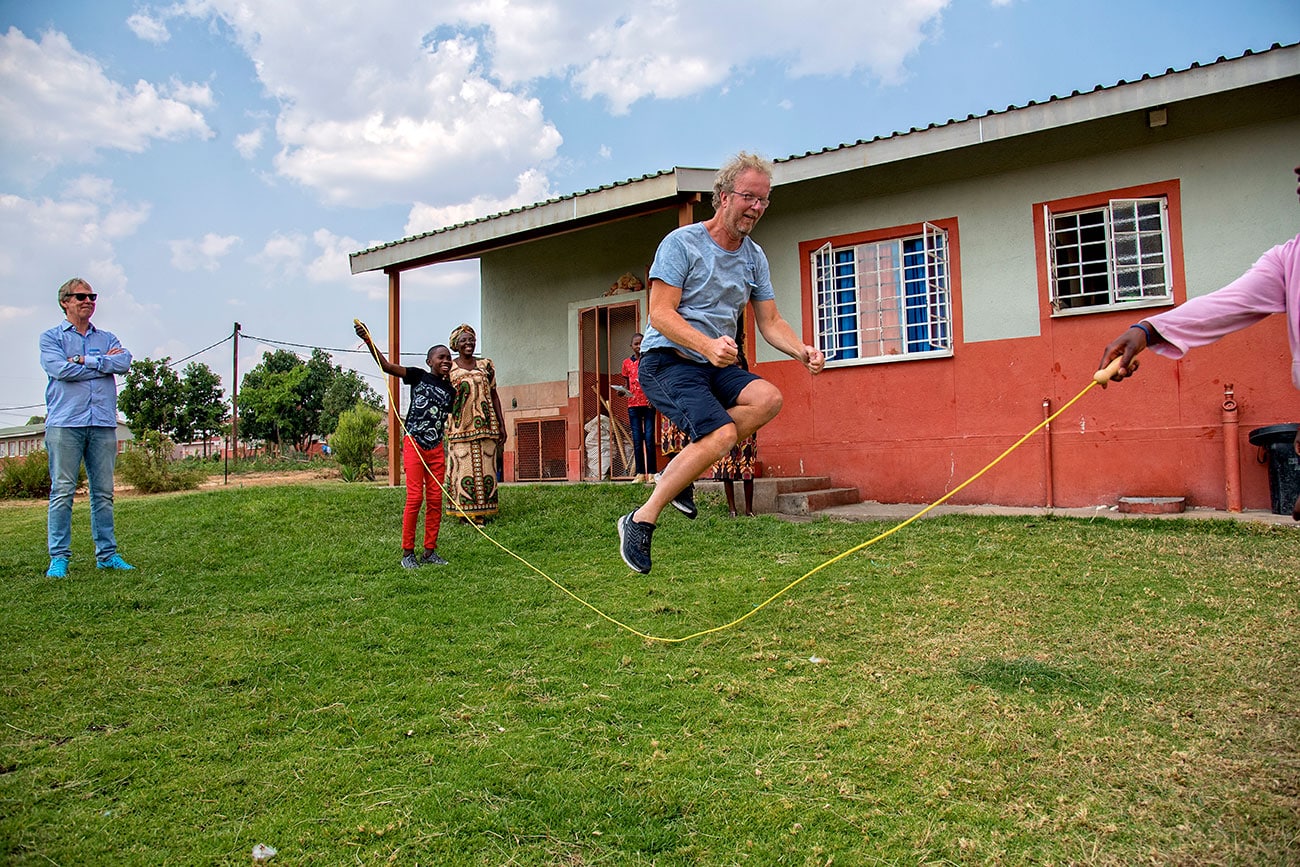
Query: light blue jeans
pixel 68 447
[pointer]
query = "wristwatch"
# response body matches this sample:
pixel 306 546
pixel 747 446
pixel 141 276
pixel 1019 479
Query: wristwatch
pixel 78 359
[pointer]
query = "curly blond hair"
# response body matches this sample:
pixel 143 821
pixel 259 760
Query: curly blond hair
pixel 725 180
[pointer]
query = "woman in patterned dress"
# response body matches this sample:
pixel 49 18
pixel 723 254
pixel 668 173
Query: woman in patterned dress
pixel 476 431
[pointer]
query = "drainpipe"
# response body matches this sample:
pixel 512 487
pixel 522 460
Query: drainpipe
pixel 1231 452
pixel 1047 451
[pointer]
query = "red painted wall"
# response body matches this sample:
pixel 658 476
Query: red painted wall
pixel 909 432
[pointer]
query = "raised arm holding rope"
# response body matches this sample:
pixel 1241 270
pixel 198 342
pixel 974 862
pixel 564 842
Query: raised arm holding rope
pixel 423 462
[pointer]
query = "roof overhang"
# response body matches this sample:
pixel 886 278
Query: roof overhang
pixel 633 198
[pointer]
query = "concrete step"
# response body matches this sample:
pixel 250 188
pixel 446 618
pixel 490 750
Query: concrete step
pixel 811 502
pixel 768 491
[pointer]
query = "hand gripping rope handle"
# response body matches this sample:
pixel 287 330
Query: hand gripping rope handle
pixel 1098 378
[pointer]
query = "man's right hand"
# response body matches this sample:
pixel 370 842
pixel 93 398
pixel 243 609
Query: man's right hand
pixel 721 352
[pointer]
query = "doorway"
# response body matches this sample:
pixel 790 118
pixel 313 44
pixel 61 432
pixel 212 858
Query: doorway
pixel 604 339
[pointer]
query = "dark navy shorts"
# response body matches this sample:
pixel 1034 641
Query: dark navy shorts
pixel 693 395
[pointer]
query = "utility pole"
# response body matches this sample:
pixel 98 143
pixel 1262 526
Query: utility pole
pixel 234 399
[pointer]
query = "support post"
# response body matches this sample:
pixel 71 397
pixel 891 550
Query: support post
pixel 395 355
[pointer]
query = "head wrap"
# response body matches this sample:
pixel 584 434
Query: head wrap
pixel 465 328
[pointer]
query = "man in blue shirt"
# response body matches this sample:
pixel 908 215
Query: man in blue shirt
pixel 82 363
pixel 702 278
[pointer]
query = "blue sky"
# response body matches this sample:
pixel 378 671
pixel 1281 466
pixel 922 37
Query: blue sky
pixel 204 162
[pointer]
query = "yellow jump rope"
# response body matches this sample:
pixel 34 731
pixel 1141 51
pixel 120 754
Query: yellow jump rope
pixel 1098 378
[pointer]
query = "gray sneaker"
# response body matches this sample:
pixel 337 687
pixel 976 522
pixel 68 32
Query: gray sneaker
pixel 409 562
pixel 634 542
pixel 433 558
pixel 685 502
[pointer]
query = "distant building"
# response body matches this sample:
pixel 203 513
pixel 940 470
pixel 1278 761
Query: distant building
pixel 25 439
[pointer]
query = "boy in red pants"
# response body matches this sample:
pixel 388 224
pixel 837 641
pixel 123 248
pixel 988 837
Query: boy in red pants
pixel 423 460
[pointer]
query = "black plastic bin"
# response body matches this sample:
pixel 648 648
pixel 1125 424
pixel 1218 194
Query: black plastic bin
pixel 1277 445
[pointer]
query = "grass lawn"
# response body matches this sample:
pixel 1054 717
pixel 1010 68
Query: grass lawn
pixel 969 691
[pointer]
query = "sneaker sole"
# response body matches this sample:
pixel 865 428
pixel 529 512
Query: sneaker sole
pixel 621 541
pixel 690 513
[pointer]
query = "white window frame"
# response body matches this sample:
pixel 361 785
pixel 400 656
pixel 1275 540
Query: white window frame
pixel 883 325
pixel 1137 273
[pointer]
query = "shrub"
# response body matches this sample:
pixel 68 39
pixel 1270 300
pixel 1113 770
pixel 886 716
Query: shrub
pixel 26 476
pixel 147 466
pixel 354 442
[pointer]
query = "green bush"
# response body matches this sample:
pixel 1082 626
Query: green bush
pixel 354 442
pixel 29 477
pixel 26 476
pixel 147 465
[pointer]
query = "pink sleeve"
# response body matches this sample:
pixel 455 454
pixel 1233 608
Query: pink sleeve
pixel 1253 296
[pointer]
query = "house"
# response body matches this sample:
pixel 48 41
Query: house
pixel 25 439
pixel 963 279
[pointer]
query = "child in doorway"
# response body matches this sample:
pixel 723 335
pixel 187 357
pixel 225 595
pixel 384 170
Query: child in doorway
pixel 423 460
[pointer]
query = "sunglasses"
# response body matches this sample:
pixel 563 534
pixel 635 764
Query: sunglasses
pixel 84 296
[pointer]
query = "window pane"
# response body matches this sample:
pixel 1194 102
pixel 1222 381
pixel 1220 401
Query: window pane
pixel 887 298
pixel 1119 255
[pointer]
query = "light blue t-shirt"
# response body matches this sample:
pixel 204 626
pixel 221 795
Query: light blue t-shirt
pixel 716 284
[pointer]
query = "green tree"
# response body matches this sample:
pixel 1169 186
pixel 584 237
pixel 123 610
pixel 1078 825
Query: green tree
pixel 287 401
pixel 151 397
pixel 271 400
pixel 346 390
pixel 203 409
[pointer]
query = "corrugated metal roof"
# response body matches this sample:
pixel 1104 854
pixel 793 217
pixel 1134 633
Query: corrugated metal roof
pixel 649 192
pixel 21 431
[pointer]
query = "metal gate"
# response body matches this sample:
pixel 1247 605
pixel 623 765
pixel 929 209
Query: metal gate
pixel 605 337
pixel 540 450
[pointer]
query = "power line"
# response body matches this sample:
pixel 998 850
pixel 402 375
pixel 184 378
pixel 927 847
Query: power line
pixel 325 348
pixel 228 337
pixel 201 351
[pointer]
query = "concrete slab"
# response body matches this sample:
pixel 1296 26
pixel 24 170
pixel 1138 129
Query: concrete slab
pixel 901 511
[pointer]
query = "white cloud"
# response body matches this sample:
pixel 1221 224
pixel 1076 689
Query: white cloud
pixel 57 238
pixel 191 93
pixel 206 253
pixel 331 265
pixel 13 314
pixel 73 231
pixel 248 144
pixel 320 258
pixel 530 187
pixel 395 102
pixel 282 254
pixel 459 139
pixel 90 187
pixel 148 28
pixel 57 105
pixel 622 51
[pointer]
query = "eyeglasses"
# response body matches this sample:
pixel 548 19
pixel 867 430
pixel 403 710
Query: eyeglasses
pixel 752 199
pixel 84 296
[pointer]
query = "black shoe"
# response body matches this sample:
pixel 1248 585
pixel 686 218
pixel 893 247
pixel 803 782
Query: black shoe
pixel 685 502
pixel 433 558
pixel 634 543
pixel 410 562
